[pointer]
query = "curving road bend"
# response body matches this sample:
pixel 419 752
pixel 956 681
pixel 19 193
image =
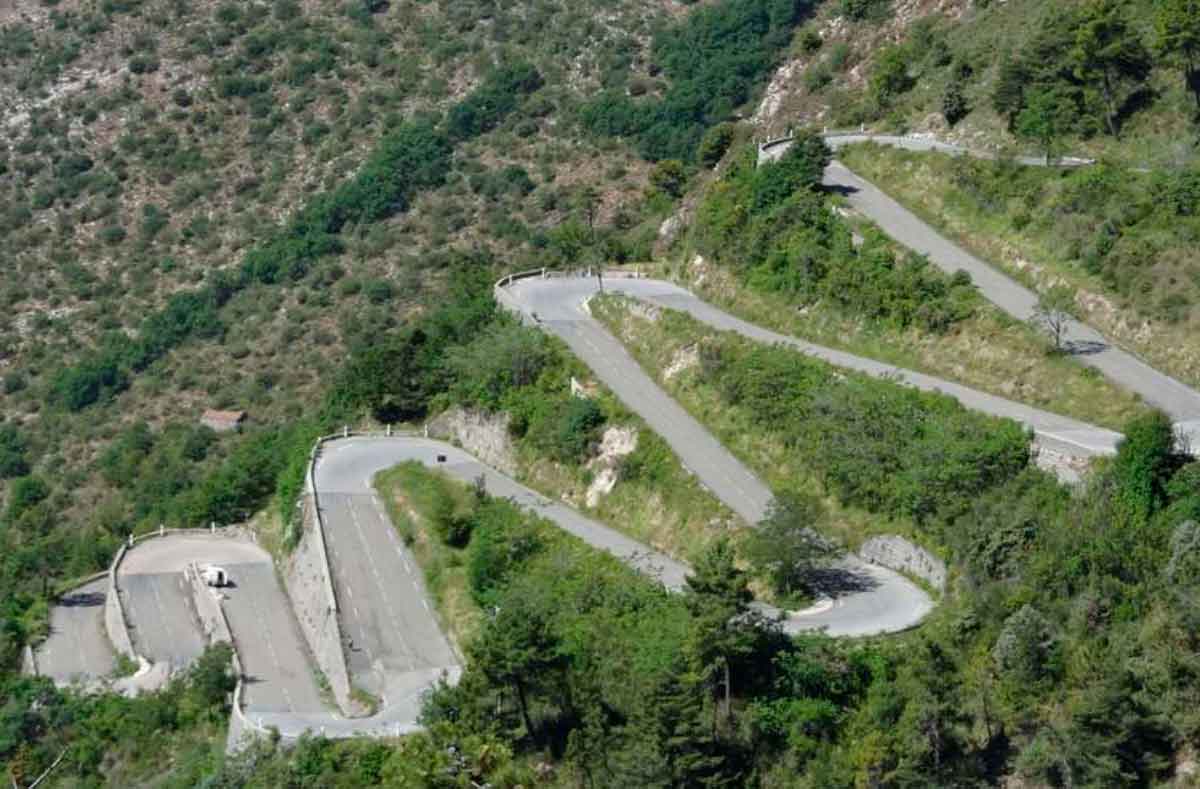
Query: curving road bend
pixel 396 645
pixel 77 650
pixel 559 303
pixel 881 601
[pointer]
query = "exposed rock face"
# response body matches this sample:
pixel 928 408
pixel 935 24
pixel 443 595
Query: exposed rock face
pixel 685 358
pixel 897 553
pixel 483 435
pixel 618 442
pixel 1069 469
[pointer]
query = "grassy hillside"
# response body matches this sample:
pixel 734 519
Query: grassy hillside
pixel 1122 240
pixel 260 206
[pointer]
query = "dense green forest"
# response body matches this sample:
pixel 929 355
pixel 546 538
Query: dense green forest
pixel 299 209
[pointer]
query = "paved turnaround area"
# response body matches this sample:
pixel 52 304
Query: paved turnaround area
pixel 165 627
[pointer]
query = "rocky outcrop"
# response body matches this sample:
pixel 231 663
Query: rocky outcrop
pixel 617 443
pixel 483 435
pixel 896 553
pixel 685 358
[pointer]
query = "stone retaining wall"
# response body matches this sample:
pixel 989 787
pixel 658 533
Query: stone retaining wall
pixel 115 623
pixel 483 435
pixel 896 553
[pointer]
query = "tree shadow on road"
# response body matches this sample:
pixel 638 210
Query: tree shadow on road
pixel 840 189
pixel 839 581
pixel 81 600
pixel 1083 347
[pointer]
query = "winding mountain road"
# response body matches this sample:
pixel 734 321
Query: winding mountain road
pixel 559 306
pixel 398 648
pixel 883 601
pixel 1089 346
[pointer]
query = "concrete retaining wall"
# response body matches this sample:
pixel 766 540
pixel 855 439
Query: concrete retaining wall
pixel 896 553
pixel 115 623
pixel 208 609
pixel 310 590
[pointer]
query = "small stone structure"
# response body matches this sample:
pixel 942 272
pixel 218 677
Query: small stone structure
pixel 896 553
pixel 223 421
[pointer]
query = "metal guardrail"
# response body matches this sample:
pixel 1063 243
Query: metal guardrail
pixel 931 140
pixel 550 273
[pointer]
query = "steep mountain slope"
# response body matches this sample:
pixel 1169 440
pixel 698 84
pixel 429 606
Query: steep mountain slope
pixel 158 159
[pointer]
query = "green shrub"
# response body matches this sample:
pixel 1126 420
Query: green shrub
pixel 13 453
pixel 669 177
pixel 25 494
pixel 865 10
pixel 112 234
pixel 566 429
pixel 714 59
pixel 801 167
pixel 874 444
pixel 502 541
pixel 487 105
pixel 451 518
pixel 790 242
pixel 715 143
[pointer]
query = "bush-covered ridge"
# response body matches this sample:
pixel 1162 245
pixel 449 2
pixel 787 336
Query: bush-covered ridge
pixel 777 230
pixel 413 157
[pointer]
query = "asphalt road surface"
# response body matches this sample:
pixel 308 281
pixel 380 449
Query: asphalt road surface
pixel 1090 347
pixel 161 621
pixel 279 677
pixel 396 648
pixel 77 649
pixel 865 600
pixel 362 458
pixel 558 303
